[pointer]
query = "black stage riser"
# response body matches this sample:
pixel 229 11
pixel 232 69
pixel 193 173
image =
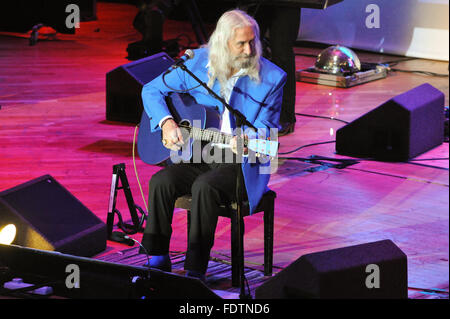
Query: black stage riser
pixel 97 279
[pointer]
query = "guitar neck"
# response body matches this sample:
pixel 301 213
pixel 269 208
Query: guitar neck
pixel 213 136
pixel 209 135
pixel 259 146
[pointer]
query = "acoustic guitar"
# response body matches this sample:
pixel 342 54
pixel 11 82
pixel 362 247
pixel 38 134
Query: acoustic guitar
pixel 196 122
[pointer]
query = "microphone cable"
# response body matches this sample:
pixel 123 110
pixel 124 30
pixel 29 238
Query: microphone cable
pixel 143 248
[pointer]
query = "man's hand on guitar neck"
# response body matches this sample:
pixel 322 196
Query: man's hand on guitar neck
pixel 171 135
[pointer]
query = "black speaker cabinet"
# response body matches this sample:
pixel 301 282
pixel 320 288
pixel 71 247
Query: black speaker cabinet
pixel 47 216
pixel 124 85
pixel 376 270
pixel 399 129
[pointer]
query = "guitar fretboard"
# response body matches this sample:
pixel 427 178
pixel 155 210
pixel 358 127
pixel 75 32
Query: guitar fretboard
pixel 206 135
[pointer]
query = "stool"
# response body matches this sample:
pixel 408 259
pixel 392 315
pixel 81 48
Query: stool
pixel 266 205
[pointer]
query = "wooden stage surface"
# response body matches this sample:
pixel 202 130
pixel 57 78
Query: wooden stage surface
pixel 52 121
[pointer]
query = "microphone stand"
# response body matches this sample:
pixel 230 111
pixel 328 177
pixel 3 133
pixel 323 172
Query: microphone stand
pixel 240 121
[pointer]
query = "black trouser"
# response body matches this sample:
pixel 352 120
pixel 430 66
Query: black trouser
pixel 210 185
pixel 283 24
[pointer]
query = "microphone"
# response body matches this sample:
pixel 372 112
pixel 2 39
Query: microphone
pixel 188 54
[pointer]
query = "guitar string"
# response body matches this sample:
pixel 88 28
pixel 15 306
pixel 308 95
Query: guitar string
pixel 210 135
pixel 216 137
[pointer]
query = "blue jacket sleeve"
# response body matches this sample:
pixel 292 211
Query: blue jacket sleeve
pixel 155 92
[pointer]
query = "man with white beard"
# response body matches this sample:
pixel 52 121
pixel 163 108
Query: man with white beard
pixel 232 66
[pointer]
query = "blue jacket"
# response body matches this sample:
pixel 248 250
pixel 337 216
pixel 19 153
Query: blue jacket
pixel 259 102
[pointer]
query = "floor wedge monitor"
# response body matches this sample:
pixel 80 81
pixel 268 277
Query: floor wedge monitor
pixel 124 85
pixel 47 216
pixel 399 129
pixel 376 270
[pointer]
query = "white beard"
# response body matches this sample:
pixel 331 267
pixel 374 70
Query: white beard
pixel 242 62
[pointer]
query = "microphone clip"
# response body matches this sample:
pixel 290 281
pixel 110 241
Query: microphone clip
pixel 188 54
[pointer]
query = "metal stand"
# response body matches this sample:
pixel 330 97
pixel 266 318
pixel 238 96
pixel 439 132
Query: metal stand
pixel 240 121
pixel 240 217
pixel 34 34
pixel 196 21
pixel 127 229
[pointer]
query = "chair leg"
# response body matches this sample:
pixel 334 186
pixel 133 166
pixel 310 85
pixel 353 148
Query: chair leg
pixel 268 239
pixel 237 262
pixel 188 224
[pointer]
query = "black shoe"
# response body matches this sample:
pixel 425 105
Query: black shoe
pixel 286 128
pixel 162 262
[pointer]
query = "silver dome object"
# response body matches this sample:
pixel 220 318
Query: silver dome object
pixel 337 60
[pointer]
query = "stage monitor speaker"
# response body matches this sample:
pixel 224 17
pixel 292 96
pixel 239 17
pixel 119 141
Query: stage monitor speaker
pixel 124 85
pixel 399 129
pixel 47 216
pixel 376 270
pixel 87 278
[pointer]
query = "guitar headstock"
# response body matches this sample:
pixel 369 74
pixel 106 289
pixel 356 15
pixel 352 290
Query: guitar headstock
pixel 264 147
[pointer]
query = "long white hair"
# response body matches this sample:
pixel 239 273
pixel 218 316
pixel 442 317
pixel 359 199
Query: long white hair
pixel 219 55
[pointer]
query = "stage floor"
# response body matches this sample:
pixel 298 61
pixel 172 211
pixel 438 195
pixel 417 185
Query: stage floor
pixel 52 121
